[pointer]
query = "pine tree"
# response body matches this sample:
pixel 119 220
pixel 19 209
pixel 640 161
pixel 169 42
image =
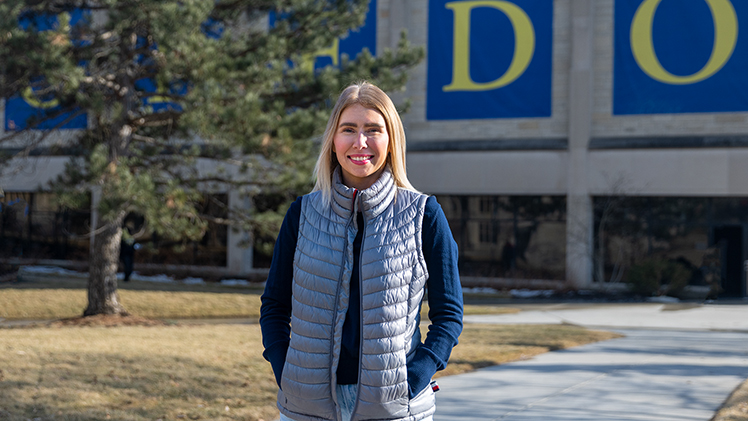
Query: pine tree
pixel 166 84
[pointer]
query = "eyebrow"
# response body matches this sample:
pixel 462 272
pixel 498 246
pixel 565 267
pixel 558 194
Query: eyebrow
pixel 347 124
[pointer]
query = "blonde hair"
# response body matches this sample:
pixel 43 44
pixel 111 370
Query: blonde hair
pixel 368 96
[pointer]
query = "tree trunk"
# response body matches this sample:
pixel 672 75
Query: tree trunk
pixel 102 279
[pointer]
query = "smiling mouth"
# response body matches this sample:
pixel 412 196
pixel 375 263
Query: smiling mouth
pixel 361 159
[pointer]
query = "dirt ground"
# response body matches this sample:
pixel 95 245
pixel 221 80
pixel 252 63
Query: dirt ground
pixel 104 320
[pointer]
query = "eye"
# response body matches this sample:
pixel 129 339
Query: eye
pixel 347 130
pixel 374 130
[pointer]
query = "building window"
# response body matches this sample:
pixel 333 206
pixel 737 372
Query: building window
pixel 34 226
pixel 210 250
pixel 704 235
pixel 522 237
pixel 489 232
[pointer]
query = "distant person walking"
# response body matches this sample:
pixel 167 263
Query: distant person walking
pixel 127 249
pixel 341 308
pixel 508 257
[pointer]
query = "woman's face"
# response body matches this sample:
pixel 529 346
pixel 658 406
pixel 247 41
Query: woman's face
pixel 361 143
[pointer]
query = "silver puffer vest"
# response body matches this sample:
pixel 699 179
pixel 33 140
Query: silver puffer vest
pixel 393 275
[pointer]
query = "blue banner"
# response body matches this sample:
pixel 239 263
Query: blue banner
pixel 353 43
pixel 489 59
pixel 350 44
pixel 680 56
pixel 30 109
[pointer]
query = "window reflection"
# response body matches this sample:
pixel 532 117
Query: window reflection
pixel 704 235
pixel 522 237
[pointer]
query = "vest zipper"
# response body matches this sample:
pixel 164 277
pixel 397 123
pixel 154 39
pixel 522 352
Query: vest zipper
pixel 337 296
pixel 360 311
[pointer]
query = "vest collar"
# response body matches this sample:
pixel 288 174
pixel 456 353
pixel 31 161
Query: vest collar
pixel 373 201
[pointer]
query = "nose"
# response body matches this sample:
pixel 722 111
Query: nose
pixel 361 140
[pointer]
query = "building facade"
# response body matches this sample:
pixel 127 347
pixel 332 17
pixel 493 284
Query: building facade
pixel 585 101
pixel 570 140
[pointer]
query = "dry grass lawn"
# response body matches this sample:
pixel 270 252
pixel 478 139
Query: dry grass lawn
pixel 183 370
pixel 211 371
pixel 195 371
pixel 57 303
pixel 135 373
pixel 736 406
pixel 44 304
pixel 61 298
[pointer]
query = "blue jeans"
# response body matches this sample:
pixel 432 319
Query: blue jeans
pixel 347 399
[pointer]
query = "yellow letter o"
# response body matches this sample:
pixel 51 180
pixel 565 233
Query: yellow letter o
pixel 725 38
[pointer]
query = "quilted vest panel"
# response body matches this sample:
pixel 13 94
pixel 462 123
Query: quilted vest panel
pixel 392 275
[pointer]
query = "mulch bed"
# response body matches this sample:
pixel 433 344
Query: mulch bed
pixel 105 320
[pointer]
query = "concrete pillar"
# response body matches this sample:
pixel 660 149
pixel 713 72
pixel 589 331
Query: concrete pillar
pixel 392 20
pixel 239 243
pixel 579 225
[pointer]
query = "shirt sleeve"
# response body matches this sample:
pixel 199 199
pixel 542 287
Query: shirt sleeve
pixel 444 298
pixel 275 312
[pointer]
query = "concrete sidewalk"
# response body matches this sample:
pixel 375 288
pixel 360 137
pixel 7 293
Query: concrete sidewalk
pixel 672 365
pixel 730 317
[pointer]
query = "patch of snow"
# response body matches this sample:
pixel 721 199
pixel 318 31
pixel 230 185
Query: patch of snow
pixel 155 278
pixel 50 270
pixel 531 293
pixel 235 282
pixel 663 299
pixel 193 281
pixel 484 290
pixel 135 276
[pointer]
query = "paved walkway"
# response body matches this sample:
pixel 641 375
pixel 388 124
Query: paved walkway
pixel 674 364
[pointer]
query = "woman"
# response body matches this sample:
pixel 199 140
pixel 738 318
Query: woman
pixel 340 313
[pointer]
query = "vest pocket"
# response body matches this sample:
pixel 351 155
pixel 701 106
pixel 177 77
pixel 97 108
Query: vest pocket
pixel 424 401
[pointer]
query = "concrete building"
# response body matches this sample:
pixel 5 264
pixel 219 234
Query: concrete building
pixel 569 140
pixel 642 99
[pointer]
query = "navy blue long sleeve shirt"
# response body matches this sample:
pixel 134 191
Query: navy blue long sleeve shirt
pixel 444 297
